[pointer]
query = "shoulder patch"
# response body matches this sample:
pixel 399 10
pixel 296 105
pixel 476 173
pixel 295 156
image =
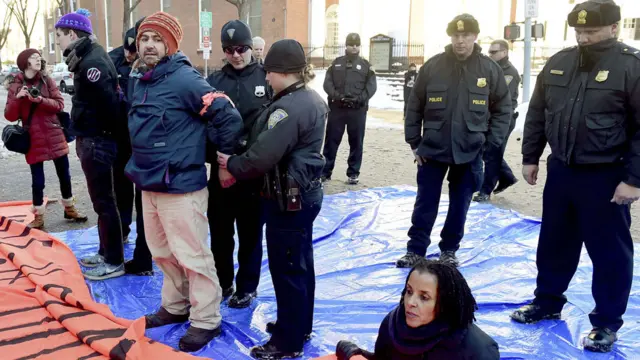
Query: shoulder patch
pixel 93 74
pixel 276 117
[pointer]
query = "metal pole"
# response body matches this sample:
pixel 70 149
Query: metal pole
pixel 527 60
pixel 206 67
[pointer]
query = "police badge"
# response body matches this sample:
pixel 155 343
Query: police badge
pixel 460 25
pixel 602 76
pixel 482 82
pixel 582 17
pixel 259 92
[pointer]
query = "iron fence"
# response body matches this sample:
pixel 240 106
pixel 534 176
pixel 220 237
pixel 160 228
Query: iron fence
pixel 402 54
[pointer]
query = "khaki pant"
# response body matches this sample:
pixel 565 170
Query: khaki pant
pixel 176 227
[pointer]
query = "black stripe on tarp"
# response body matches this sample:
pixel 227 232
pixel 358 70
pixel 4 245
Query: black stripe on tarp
pixel 119 352
pixel 25 232
pixel 65 290
pixel 56 302
pixel 17 311
pixel 2 261
pixel 89 336
pixel 17 216
pixel 92 355
pixel 51 351
pixel 22 326
pixel 35 268
pixel 8 271
pixel 2 220
pixel 34 336
pixel 31 290
pixel 74 315
pixel 45 243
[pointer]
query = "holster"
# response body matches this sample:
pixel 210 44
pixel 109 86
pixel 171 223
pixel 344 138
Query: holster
pixel 284 189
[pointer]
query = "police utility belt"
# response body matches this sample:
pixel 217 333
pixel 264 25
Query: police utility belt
pixel 279 186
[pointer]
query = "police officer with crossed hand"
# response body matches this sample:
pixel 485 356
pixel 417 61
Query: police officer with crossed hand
pixel 459 102
pixel 350 83
pixel 586 106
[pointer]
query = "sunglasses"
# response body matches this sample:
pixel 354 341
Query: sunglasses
pixel 233 49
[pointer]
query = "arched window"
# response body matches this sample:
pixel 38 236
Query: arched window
pixel 332 41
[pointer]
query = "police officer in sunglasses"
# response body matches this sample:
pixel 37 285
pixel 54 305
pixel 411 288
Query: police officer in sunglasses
pixel 243 80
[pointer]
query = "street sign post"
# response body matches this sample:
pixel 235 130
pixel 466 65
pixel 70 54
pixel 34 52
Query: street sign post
pixel 530 10
pixel 206 22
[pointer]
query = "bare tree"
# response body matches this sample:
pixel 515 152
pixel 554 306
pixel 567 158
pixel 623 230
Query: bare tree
pixel 126 24
pixel 243 8
pixel 26 24
pixel 5 29
pixel 63 5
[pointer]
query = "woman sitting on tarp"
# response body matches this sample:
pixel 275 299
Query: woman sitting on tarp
pixel 435 320
pixel 35 99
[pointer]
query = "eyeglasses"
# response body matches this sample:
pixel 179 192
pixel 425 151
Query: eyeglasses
pixel 233 49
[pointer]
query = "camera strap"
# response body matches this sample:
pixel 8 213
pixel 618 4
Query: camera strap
pixel 34 105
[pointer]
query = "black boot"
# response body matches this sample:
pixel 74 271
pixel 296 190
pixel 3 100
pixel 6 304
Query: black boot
pixel 271 327
pixel 600 340
pixel 482 197
pixel 242 300
pixel 196 338
pixel 408 260
pixel 133 268
pixel 504 185
pixel 227 292
pixel 449 257
pixel 532 313
pixel 162 317
pixel 271 352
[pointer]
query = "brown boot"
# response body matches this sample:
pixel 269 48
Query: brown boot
pixel 70 211
pixel 38 221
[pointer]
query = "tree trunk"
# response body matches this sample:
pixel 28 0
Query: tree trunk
pixel 126 24
pixel 243 12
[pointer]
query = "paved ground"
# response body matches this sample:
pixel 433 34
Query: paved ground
pixel 387 161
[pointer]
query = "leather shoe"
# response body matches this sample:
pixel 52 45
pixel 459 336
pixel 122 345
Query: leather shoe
pixel 270 351
pixel 242 300
pixel 162 317
pixel 196 338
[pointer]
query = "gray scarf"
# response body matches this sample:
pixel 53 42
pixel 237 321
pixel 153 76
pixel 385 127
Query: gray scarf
pixel 76 50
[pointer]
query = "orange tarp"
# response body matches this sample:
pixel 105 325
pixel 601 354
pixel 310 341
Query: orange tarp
pixel 46 311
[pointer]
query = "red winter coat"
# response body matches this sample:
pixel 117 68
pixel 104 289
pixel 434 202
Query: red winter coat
pixel 47 139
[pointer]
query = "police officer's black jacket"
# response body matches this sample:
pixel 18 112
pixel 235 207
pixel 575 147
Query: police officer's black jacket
pixel 586 105
pixel 456 106
pixel 289 132
pixel 96 102
pixel 350 76
pixel 513 80
pixel 247 88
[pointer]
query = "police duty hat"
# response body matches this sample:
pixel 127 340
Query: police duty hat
pixel 353 39
pixel 594 13
pixel 463 23
pixel 236 33
pixel 131 35
pixel 285 56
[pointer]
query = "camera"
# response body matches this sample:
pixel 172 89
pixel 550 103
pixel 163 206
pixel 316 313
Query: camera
pixel 34 92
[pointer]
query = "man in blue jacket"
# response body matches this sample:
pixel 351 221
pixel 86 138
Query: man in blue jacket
pixel 173 109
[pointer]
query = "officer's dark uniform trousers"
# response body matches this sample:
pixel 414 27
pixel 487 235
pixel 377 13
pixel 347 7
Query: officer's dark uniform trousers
pixel 496 168
pixel 464 180
pixel 290 250
pixel 577 207
pixel 355 122
pixel 239 203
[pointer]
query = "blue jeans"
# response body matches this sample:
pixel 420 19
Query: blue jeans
pixel 37 179
pixel 97 157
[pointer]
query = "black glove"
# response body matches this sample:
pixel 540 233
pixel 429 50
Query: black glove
pixel 346 349
pixel 515 115
pixel 349 102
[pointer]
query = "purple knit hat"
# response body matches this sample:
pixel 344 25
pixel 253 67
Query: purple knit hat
pixel 78 20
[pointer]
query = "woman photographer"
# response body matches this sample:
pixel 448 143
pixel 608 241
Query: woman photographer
pixel 34 94
pixel 435 320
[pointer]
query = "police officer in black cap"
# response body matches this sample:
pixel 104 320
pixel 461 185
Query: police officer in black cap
pixel 285 151
pixel 460 101
pixel 243 80
pixel 349 83
pixel 123 58
pixel 585 106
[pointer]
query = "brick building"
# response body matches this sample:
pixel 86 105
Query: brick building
pixel 270 19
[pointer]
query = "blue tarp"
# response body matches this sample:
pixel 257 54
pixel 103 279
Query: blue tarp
pixel 357 238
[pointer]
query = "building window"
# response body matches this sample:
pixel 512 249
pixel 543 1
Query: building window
pixel 73 5
pixel 52 42
pixel 255 17
pixel 333 33
pixel 107 22
pixel 631 29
